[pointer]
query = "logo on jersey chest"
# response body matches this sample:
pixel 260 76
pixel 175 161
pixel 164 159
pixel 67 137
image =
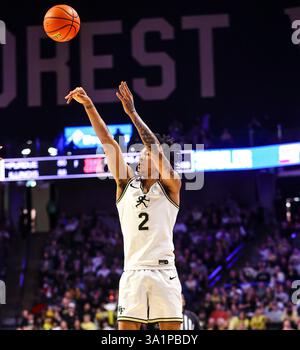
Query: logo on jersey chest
pixel 143 201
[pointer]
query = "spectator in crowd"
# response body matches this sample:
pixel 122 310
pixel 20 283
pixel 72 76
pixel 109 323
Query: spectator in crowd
pixel 258 320
pixel 5 239
pixel 87 324
pixel 190 320
pixel 82 264
pixel 176 131
pixel 226 139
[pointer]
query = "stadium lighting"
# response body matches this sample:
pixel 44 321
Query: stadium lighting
pixel 26 151
pixel 52 151
pixel 31 183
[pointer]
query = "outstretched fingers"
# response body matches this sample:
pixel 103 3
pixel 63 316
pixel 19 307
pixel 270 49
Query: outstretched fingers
pixel 124 93
pixel 127 89
pixel 120 97
pixel 122 90
pixel 70 95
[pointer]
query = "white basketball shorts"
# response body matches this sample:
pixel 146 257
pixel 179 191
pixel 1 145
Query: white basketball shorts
pixel 150 296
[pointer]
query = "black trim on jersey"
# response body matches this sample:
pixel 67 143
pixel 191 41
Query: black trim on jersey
pixel 165 193
pixel 153 320
pixel 122 194
pixel 132 319
pixel 139 179
pixel 166 319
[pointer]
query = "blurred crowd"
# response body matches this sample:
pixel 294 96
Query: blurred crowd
pixel 260 294
pixel 83 261
pixel 5 238
pixel 262 130
pixel 203 130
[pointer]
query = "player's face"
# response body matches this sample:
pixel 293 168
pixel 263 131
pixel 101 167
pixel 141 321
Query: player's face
pixel 145 164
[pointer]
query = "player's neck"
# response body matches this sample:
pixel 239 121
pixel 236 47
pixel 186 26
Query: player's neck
pixel 147 183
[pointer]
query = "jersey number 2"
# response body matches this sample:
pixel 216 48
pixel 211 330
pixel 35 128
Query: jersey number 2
pixel 142 226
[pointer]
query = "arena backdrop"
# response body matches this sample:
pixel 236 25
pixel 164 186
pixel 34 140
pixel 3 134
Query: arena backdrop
pixel 233 59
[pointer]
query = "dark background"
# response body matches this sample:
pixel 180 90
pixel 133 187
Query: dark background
pixel 257 68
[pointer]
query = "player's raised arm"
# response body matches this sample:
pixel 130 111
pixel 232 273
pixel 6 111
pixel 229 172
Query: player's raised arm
pixel 116 163
pixel 169 177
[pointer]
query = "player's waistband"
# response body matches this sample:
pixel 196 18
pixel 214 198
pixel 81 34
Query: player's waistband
pixel 161 264
pixel 135 268
pixel 152 267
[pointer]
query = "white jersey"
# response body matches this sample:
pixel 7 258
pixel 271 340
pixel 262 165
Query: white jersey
pixel 147 222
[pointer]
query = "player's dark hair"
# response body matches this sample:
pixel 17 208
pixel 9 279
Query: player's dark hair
pixel 167 141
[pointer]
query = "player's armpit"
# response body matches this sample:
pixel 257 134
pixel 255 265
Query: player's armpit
pixel 117 166
pixel 172 189
pixel 121 187
pixel 169 178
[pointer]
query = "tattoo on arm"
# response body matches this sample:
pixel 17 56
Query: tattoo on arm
pixel 149 139
pixel 89 106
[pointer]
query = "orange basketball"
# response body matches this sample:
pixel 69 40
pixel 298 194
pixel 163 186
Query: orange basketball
pixel 61 23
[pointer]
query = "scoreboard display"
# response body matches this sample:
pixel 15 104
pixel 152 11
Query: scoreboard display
pixel 61 167
pixel 47 168
pixel 190 161
pixel 53 168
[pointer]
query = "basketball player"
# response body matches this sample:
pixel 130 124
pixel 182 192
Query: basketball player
pixel 149 289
